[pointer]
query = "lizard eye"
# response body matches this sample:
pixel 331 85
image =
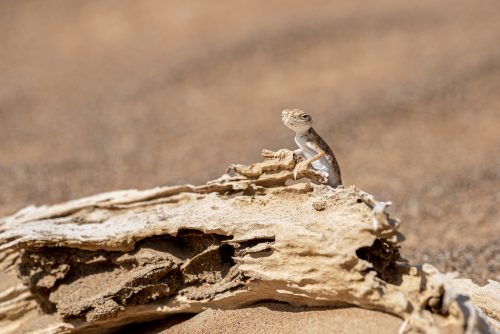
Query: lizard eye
pixel 305 116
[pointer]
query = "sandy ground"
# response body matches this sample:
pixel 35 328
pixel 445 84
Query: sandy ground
pixel 289 319
pixel 96 96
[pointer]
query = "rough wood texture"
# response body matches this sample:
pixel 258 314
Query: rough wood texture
pixel 126 256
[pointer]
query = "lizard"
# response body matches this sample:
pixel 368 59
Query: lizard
pixel 311 146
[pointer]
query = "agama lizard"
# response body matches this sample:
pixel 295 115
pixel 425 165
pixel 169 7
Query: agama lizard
pixel 311 146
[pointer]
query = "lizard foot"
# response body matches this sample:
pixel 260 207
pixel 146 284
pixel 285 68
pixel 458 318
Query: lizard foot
pixel 301 168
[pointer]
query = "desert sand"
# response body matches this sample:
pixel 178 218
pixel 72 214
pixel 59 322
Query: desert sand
pixel 100 96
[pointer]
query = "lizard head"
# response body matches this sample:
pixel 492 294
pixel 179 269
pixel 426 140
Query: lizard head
pixel 296 120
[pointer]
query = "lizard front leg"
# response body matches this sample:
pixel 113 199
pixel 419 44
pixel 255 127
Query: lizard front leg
pixel 303 165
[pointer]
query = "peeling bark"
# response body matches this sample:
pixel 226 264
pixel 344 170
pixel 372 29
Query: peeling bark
pixel 107 260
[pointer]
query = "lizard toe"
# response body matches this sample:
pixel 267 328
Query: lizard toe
pixel 301 168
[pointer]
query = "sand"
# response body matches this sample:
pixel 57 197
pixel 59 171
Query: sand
pixel 100 96
pixel 283 318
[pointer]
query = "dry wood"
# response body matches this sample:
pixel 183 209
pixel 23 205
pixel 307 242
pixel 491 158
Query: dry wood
pixel 127 256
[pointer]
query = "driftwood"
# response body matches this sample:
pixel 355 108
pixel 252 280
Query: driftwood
pixel 127 256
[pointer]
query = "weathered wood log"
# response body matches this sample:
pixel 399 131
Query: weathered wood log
pixel 127 256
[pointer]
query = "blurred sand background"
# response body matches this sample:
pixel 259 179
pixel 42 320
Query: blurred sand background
pixel 97 96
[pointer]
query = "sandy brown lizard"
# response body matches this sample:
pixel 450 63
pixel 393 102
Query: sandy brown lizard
pixel 311 146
